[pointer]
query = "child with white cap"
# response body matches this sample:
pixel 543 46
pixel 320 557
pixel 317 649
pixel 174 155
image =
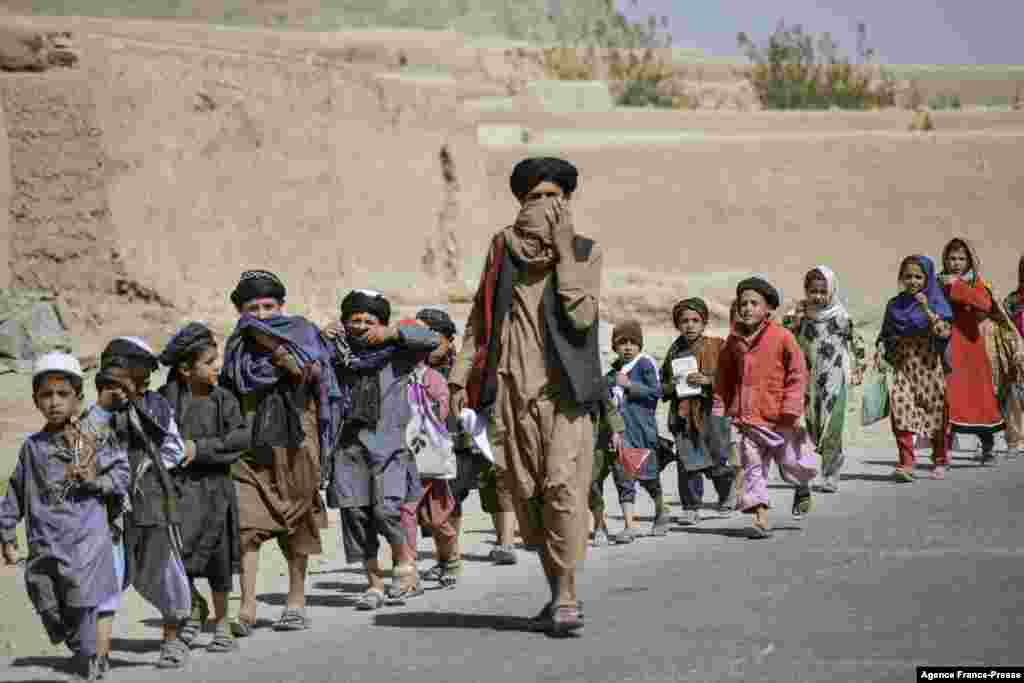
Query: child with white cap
pixel 65 474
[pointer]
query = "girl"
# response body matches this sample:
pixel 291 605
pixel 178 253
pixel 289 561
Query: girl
pixel 701 440
pixel 913 340
pixel 636 390
pixel 835 356
pixel 211 422
pixel 971 396
pixel 1012 390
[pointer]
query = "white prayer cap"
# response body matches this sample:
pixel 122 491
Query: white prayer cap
pixel 57 362
pixel 139 343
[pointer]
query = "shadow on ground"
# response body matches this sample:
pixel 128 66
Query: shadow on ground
pixel 280 599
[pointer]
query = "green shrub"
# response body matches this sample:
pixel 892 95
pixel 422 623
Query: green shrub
pixel 641 93
pixel 944 101
pixel 796 70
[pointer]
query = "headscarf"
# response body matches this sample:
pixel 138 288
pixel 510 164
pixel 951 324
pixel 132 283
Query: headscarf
pixel 366 301
pixel 695 304
pixel 529 173
pixel 904 317
pixel 973 273
pixel 836 307
pixel 257 284
pixel 248 367
pixel 185 343
pixel 762 287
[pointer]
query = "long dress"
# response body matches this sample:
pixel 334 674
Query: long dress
pixel 973 407
pixel 834 350
pixel 917 387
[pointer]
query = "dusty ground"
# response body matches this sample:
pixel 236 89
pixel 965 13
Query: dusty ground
pixel 180 155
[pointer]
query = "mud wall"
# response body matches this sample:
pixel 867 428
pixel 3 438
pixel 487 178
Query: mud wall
pixel 5 203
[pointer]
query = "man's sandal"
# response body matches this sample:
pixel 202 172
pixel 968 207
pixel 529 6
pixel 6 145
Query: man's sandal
pixel 445 573
pixel 243 627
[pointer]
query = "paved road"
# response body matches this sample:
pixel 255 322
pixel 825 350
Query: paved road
pixel 880 578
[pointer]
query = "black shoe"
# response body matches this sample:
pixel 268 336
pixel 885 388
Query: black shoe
pixel 86 668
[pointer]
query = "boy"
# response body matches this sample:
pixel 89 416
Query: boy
pixel 636 390
pixel 760 384
pixel 374 472
pixel 701 440
pixel 210 418
pixel 144 421
pixel 278 368
pixel 59 487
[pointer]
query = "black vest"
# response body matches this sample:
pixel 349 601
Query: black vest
pixel 575 353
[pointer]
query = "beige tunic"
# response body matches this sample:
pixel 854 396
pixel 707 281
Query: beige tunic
pixel 543 442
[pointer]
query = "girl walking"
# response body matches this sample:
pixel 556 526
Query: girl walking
pixel 913 341
pixel 835 357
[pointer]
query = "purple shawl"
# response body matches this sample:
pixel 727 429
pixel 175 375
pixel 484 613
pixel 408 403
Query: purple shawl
pixel 904 317
pixel 248 367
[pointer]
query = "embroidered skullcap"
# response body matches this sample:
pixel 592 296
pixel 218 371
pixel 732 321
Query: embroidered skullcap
pixel 257 284
pixel 131 350
pixel 628 330
pixel 762 287
pixel 695 304
pixel 366 301
pixel 530 173
pixel 438 321
pixel 186 342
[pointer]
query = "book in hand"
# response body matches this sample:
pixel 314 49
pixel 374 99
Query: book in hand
pixel 681 369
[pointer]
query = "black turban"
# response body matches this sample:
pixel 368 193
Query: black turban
pixel 438 321
pixel 762 287
pixel 694 304
pixel 257 284
pixel 185 343
pixel 362 301
pixel 129 352
pixel 530 173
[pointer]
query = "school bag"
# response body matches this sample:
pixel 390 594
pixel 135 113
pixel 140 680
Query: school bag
pixel 426 436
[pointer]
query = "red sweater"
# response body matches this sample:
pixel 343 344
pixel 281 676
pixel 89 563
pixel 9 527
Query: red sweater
pixel 761 381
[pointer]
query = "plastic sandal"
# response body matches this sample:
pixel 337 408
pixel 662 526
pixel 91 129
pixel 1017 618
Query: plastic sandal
pixel 293 620
pixel 759 532
pixel 173 655
pixel 398 595
pixel 222 641
pixel 242 628
pixel 902 476
pixel 370 600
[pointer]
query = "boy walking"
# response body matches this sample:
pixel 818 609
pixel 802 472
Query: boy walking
pixel 760 384
pixel 60 485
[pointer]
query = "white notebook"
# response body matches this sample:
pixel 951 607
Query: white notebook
pixel 681 369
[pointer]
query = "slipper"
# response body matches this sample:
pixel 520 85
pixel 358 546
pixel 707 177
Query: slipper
pixel 370 600
pixel 542 622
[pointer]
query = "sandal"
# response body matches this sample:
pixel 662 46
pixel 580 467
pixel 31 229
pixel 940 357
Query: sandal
pixel 222 641
pixel 399 595
pixel 370 600
pixel 242 628
pixel 542 622
pixel 173 655
pixel 445 573
pixel 903 476
pixel 293 620
pixel 760 532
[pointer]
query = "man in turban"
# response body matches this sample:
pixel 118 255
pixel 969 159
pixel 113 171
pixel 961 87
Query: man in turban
pixel 530 363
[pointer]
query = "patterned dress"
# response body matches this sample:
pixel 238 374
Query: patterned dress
pixel 834 351
pixel 917 386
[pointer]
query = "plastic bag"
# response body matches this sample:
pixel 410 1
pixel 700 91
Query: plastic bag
pixel 874 405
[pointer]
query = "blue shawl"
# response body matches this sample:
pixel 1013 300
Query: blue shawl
pixel 904 317
pixel 248 367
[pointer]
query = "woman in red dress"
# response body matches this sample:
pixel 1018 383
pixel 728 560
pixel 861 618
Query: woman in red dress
pixel 971 396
